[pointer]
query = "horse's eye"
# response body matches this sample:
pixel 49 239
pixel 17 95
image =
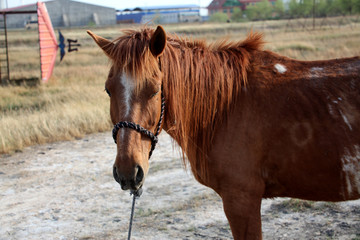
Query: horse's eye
pixel 107 91
pixel 153 95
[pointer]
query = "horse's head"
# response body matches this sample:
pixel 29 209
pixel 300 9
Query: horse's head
pixel 134 86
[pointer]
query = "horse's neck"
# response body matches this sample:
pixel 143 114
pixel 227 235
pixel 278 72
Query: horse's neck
pixel 207 103
pixel 190 119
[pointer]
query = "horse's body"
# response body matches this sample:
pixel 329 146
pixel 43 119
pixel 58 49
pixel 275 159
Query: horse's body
pixel 252 124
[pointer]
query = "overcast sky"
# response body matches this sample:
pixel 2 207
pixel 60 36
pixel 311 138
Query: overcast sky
pixel 120 4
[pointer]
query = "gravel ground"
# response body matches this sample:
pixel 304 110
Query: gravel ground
pixel 65 190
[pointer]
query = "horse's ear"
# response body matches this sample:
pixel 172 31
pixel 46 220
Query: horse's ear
pixel 106 45
pixel 158 42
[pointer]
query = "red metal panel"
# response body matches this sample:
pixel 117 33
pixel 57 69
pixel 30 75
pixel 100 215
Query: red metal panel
pixel 48 43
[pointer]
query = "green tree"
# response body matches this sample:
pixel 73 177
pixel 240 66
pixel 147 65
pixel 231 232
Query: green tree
pixel 302 8
pixel 350 6
pixel 250 13
pixel 346 6
pixel 343 7
pixel 279 8
pixel 357 6
pixel 321 8
pixel 294 9
pixel 260 11
pixel 237 15
pixel 306 7
pixel 219 17
pixel 264 9
pixel 335 8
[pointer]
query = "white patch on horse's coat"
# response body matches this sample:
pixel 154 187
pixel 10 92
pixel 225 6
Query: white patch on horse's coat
pixel 351 169
pixel 129 86
pixel 331 111
pixel 316 69
pixel 128 90
pixel 280 68
pixel 346 120
pixel 315 72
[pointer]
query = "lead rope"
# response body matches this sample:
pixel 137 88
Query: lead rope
pixel 136 194
pixel 131 217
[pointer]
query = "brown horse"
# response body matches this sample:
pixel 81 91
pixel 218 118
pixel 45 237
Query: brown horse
pixel 251 123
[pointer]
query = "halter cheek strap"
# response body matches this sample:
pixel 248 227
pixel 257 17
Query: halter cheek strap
pixel 140 129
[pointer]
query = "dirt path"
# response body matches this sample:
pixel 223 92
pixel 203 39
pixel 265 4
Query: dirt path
pixel 65 190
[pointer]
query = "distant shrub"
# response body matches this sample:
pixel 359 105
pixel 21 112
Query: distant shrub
pixel 219 17
pixel 237 15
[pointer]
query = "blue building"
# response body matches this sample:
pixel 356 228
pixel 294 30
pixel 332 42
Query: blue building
pixel 160 14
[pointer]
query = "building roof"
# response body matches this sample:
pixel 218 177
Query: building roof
pixel 17 9
pixel 77 2
pixel 215 4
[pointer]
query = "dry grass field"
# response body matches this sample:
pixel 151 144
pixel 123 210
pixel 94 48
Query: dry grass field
pixel 73 102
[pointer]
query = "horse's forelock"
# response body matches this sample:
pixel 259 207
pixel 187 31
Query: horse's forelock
pixel 131 55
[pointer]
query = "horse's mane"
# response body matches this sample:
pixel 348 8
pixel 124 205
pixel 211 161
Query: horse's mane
pixel 201 82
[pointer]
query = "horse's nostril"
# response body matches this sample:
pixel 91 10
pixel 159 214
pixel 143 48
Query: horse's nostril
pixel 131 182
pixel 139 175
pixel 116 176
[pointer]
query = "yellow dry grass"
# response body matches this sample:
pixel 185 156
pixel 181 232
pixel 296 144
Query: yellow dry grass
pixel 73 102
pixel 52 114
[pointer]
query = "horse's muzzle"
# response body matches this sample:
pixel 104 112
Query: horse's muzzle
pixel 133 182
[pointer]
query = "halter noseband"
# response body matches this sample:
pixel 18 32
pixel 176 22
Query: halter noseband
pixel 140 129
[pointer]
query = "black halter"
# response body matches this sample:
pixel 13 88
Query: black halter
pixel 140 129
